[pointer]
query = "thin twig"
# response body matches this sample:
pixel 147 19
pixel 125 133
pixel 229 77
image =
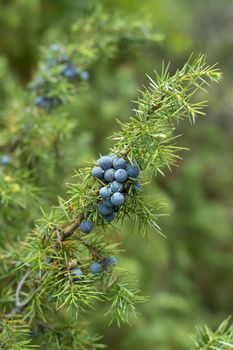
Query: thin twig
pixel 19 304
pixel 90 247
pixel 69 232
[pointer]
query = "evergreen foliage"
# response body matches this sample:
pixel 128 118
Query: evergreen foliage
pixel 41 271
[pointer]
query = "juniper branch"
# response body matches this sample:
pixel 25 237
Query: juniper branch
pixel 147 140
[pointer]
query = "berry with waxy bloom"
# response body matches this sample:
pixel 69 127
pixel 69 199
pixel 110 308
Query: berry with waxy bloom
pixel 109 175
pixel 110 260
pixel 105 192
pixel 119 163
pixel 86 226
pixel 121 175
pixel 105 162
pixel 116 186
pixel 96 267
pixel 133 171
pixel 103 210
pixel 117 198
pixel 97 172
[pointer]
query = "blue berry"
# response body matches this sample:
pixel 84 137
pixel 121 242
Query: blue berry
pixel 119 163
pixel 116 186
pixel 105 162
pixel 105 192
pixel 86 226
pixel 84 75
pixel 5 160
pixel 103 210
pixel 133 171
pixel 109 217
pixel 110 260
pixel 107 203
pixel 109 175
pixel 117 198
pixel 121 175
pixel 97 172
pixel 137 187
pixel 42 101
pixel 76 274
pixel 69 71
pixel 96 267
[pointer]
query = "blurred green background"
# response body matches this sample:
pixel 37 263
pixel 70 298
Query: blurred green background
pixel 188 275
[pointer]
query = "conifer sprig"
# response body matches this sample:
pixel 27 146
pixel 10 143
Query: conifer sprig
pixel 149 136
pixel 220 339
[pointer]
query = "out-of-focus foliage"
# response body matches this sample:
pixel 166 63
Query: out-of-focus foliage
pixel 188 276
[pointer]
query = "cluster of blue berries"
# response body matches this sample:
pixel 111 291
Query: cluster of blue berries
pixel 95 267
pixel 118 177
pixel 57 58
